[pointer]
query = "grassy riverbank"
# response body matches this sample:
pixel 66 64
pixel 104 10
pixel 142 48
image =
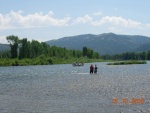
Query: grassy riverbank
pixel 128 62
pixel 42 60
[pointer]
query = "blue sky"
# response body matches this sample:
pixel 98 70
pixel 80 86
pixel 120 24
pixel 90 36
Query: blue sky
pixel 52 19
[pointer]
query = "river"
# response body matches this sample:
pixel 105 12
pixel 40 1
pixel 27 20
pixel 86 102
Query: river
pixel 68 89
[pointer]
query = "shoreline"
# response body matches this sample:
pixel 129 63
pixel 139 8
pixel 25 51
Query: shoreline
pixel 128 62
pixel 46 61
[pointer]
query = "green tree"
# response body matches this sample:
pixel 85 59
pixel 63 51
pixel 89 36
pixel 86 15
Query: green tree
pixel 89 53
pixel 74 53
pixel 85 51
pixel 143 55
pixel 14 41
pixel 35 49
pixel 44 48
pixel 78 53
pixel 95 55
pixel 5 54
pixel 148 55
pixel 24 49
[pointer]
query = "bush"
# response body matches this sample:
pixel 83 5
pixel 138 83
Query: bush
pixel 128 62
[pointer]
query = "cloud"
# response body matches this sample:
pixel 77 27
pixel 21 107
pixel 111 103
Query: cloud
pixel 148 25
pixel 111 21
pixel 17 20
pixel 117 21
pixel 38 19
pixel 84 19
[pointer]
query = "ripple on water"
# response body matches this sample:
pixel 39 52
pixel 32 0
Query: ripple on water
pixel 67 89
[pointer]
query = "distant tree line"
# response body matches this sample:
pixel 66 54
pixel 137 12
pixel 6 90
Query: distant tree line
pixel 5 54
pixel 128 56
pixel 22 48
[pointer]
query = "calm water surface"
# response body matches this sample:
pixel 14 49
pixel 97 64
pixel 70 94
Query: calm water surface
pixel 67 89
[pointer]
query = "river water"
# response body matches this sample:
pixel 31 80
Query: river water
pixel 68 89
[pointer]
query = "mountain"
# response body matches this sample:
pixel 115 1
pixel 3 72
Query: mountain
pixel 106 43
pixel 143 47
pixel 4 47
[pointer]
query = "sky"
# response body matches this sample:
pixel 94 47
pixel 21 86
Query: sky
pixel 45 20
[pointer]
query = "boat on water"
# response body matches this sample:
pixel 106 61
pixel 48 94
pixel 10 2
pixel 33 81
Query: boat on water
pixel 78 64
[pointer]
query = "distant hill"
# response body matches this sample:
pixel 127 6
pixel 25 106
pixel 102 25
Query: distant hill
pixel 143 47
pixel 106 43
pixel 4 47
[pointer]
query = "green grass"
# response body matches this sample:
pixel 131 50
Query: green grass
pixel 128 62
pixel 43 60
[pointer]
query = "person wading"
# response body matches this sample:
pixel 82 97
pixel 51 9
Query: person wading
pixel 95 69
pixel 91 69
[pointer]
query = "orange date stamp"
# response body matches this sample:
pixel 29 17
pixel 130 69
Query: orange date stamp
pixel 128 101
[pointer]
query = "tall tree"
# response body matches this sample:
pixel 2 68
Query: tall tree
pixel 89 53
pixel 74 53
pixel 35 49
pixel 14 41
pixel 84 51
pixel 24 49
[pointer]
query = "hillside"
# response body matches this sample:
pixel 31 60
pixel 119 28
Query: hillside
pixel 107 43
pixel 143 47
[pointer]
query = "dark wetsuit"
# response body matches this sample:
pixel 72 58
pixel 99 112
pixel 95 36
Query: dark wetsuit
pixel 95 69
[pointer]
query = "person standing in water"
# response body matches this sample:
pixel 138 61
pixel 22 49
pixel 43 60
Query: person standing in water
pixel 95 69
pixel 91 69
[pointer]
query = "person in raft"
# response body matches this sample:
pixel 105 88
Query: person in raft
pixel 95 69
pixel 91 69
